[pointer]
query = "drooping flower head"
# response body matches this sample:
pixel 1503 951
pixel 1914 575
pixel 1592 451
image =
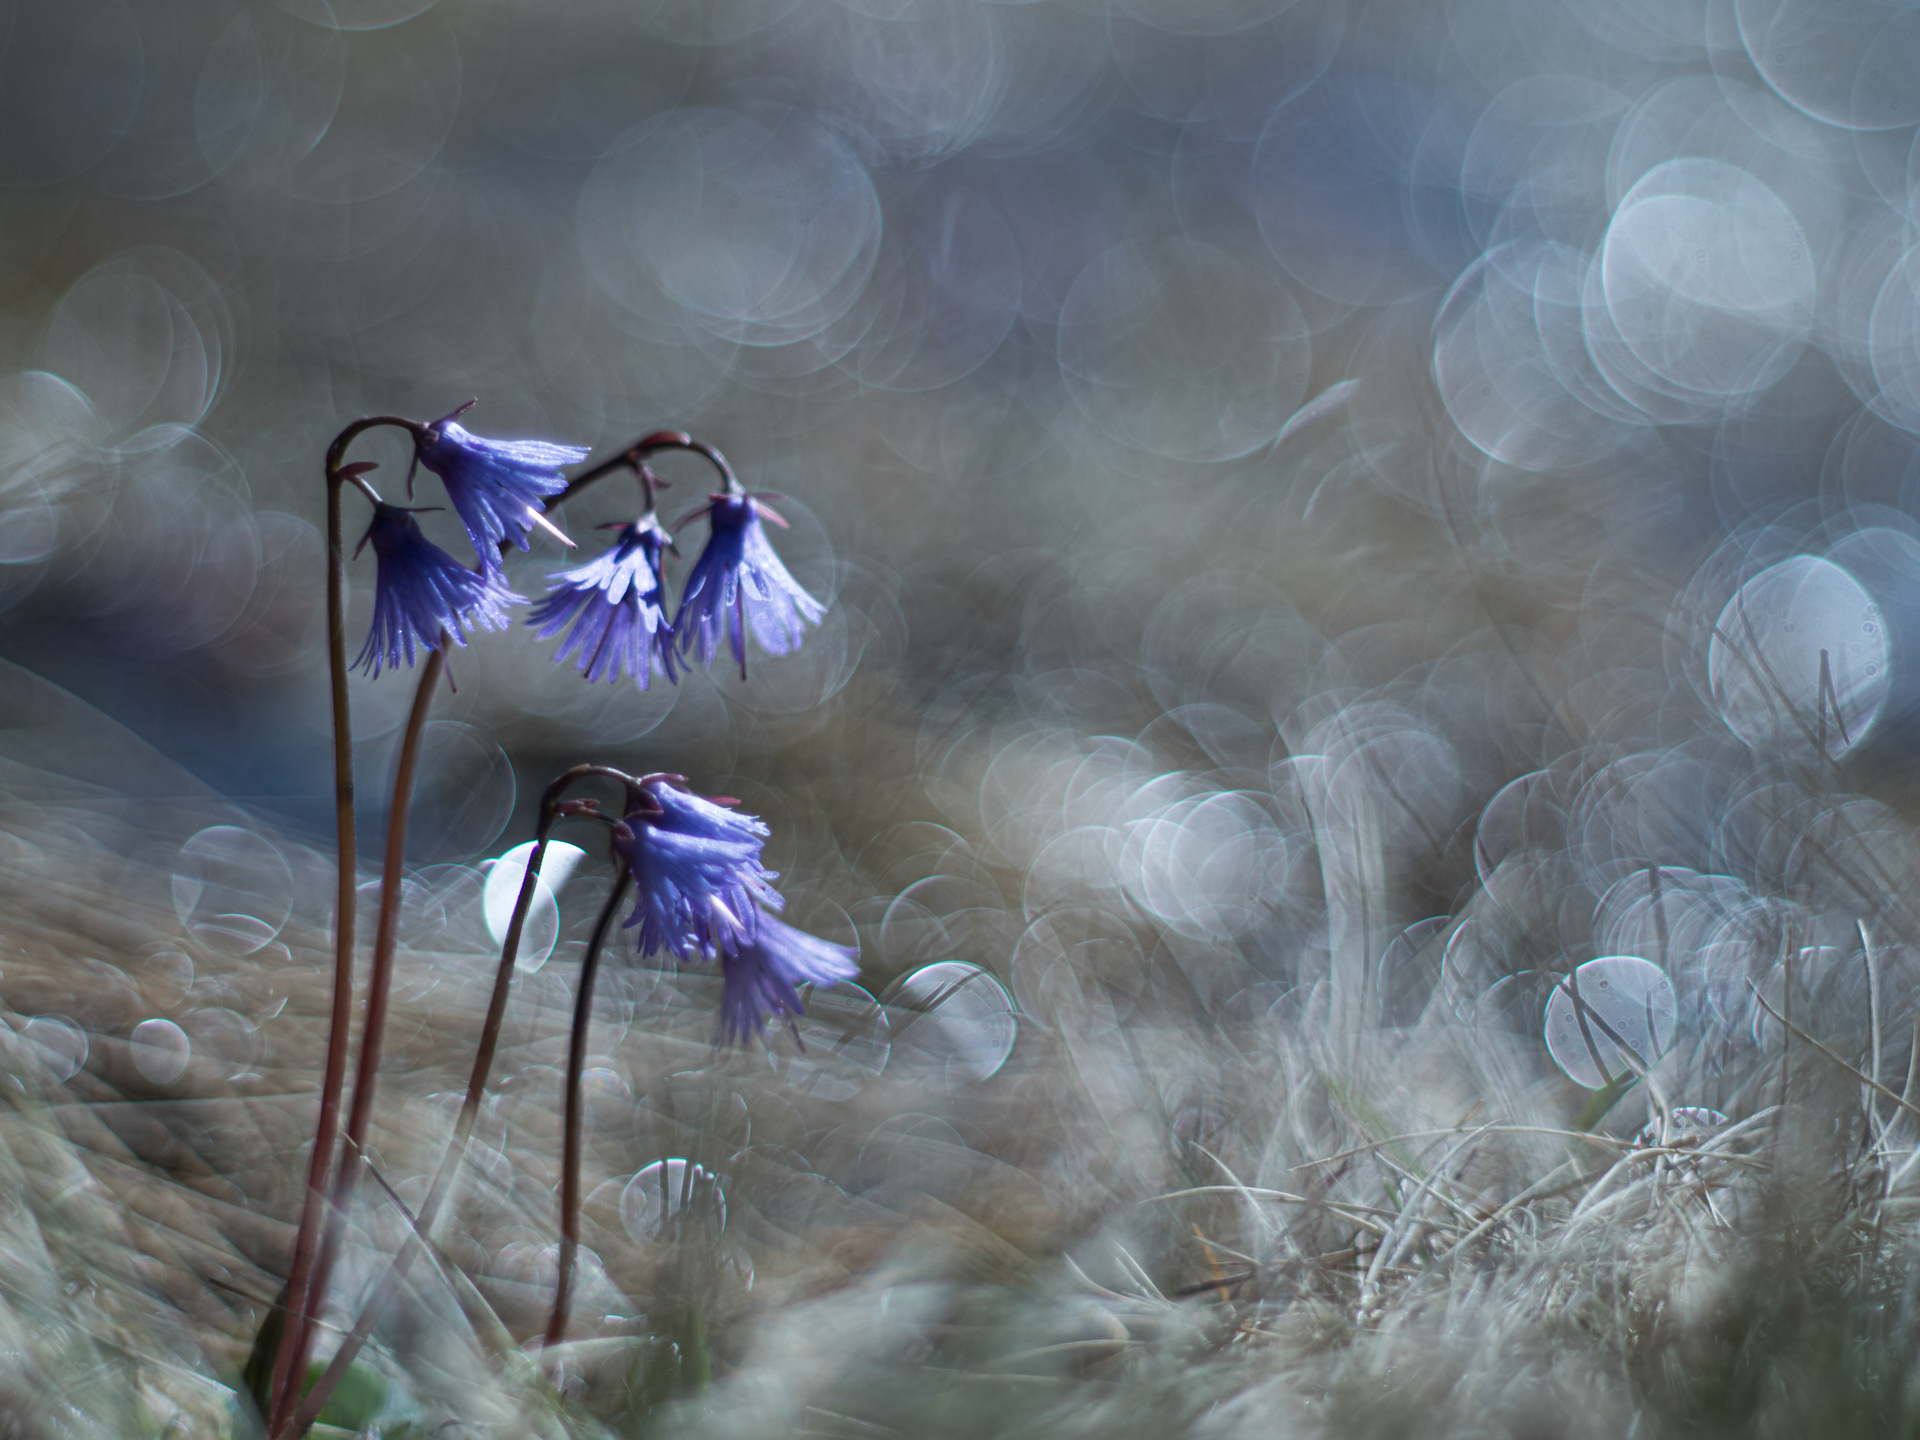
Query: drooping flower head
pixel 737 581
pixel 761 977
pixel 419 589
pixel 616 604
pixel 495 486
pixel 697 876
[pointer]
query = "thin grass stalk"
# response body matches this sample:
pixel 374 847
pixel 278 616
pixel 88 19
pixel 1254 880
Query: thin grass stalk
pixel 1854 1070
pixel 1876 1129
pixel 575 1123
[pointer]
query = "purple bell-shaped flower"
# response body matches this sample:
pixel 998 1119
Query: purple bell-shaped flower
pixel 738 581
pixel 762 976
pixel 495 486
pixel 615 604
pixel 697 876
pixel 420 590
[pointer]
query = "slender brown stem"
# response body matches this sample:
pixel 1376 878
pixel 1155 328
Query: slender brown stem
pixel 298 1294
pixel 309 1253
pixel 469 1108
pixel 622 461
pixel 631 458
pixel 650 486
pixel 379 988
pixel 340 1023
pixel 576 1063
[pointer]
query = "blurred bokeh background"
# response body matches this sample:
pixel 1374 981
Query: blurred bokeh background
pixel 1280 471
pixel 1164 390
pixel 1013 300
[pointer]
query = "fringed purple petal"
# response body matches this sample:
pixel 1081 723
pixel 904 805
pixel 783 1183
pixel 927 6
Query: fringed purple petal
pixel 614 604
pixel 738 574
pixel 762 977
pixel 495 486
pixel 419 590
pixel 698 880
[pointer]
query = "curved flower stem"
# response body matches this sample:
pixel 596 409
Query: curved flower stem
pixel 680 440
pixel 340 1025
pixel 576 1063
pixel 550 810
pixel 634 456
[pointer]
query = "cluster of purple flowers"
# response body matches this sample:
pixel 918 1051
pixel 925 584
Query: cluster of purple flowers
pixel 701 889
pixel 614 608
pixel 701 892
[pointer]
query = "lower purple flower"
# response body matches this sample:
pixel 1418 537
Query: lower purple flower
pixel 615 604
pixel 762 976
pixel 739 581
pixel 420 590
pixel 698 880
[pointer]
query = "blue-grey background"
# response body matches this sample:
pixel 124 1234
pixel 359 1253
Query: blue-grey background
pixel 1335 514
pixel 1583 303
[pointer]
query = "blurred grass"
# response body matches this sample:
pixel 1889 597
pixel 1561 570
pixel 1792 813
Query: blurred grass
pixel 1756 1284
